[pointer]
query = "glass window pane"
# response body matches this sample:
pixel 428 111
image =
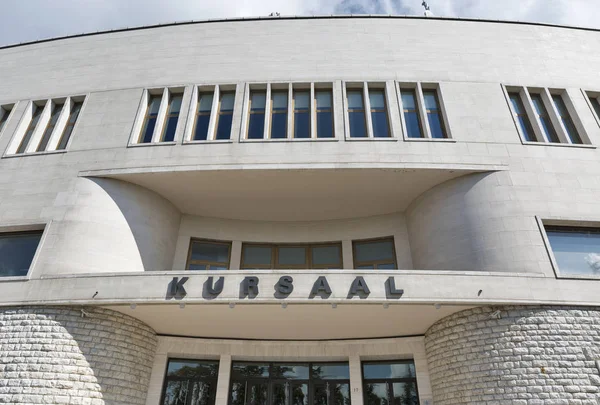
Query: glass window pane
pixel 566 119
pixel 224 126
pixel 170 128
pixel 299 394
pixel 324 255
pixel 435 125
pixel 238 393
pixel 376 394
pixel 302 125
pixel 245 370
pixel 324 99
pixel 279 100
pixel 515 100
pixel 330 371
pixel 176 393
pixel 201 131
pixel 192 266
pixel 290 371
pixel 405 393
pixel 65 137
pixel 148 130
pixel 257 393
pixel 324 125
pixel 594 100
pixel 293 255
pixel 227 101
pixel 56 110
pixel 374 251
pixel 205 103
pixel 16 253
pixel 357 125
pixel 192 369
pixel 413 126
pixel 175 104
pixel 202 393
pixel 211 252
pixel 258 100
pixel 377 99
pixel 279 125
pixel 256 127
pixel 430 100
pixel 408 99
pixel 340 394
pixel 257 255
pixel 302 100
pixel 380 124
pixel 386 266
pixel 75 109
pixel 575 251
pixel 355 99
pixel 375 371
pixel 154 104
pixel 366 267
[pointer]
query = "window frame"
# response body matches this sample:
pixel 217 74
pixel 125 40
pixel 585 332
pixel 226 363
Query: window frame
pixel 142 116
pixel 588 95
pixel 275 256
pixel 217 91
pixel 168 114
pixel 388 381
pixel 26 228
pixel 166 378
pixel 365 87
pixel 6 112
pixel 356 264
pixel 207 263
pixel 273 112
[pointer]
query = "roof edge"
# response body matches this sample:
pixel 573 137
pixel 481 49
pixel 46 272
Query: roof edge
pixel 315 17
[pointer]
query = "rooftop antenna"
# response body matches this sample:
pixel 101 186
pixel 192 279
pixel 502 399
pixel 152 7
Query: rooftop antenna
pixel 275 14
pixel 428 12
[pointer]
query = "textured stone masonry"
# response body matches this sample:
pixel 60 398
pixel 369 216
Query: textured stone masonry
pixel 73 355
pixel 518 355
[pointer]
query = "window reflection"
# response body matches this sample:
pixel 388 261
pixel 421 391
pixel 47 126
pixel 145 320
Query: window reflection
pixel 190 382
pixel 576 250
pixel 390 383
pixel 17 251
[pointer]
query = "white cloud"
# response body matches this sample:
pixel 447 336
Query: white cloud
pixel 27 20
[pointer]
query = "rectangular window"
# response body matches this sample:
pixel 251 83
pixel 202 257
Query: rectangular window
pixel 35 117
pixel 542 114
pixel 565 117
pixel 386 383
pixel 66 135
pixel 434 116
pixel 208 255
pixel 301 109
pixel 594 100
pixel 256 121
pixel 170 125
pixel 150 118
pixel 521 116
pixel 411 113
pixel 16 252
pixel 56 109
pixel 375 254
pixel 324 104
pixel 225 115
pixel 279 114
pixel 379 118
pixel 205 101
pixel 576 250
pixel 292 256
pixel 289 384
pixel 190 382
pixel 356 114
pixel 4 113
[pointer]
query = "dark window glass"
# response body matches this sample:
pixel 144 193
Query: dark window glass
pixel 330 371
pixel 35 117
pixel 150 119
pixel 390 383
pixel 302 114
pixel 207 255
pixel 4 113
pixel 290 371
pixel 521 116
pixel 66 135
pixel 374 254
pixel 565 117
pixel 576 250
pixel 376 394
pixel 256 256
pixel 379 118
pixel 324 103
pixel 434 115
pixel 266 256
pixel 542 114
pixel 17 251
pixel 225 116
pixel 249 370
pixel 54 114
pixel 172 117
pixel 205 101
pixel 379 371
pixel 593 100
pixel 411 114
pixel 256 124
pixel 356 114
pixel 279 110
pixel 190 382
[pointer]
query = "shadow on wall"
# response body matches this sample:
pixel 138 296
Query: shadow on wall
pixel 152 220
pixel 85 353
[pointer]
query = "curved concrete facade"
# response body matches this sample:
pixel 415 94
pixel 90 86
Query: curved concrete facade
pixel 464 205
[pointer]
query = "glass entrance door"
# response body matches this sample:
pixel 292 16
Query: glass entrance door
pixel 289 393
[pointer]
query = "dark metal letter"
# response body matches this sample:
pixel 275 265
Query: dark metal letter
pixel 285 286
pixel 321 288
pixel 250 287
pixel 176 287
pixel 390 289
pixel 217 288
pixel 359 286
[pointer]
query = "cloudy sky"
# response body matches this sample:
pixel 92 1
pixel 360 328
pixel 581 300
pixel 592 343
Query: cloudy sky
pixel 28 20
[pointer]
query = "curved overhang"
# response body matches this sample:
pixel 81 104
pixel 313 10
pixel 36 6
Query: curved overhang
pixel 291 192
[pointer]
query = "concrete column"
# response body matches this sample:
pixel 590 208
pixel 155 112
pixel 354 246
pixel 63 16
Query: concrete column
pixel 356 391
pixel 223 380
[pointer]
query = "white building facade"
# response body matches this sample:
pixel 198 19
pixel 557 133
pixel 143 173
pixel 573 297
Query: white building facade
pixel 302 211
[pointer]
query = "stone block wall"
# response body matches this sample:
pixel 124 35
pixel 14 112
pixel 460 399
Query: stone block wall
pixel 516 355
pixel 74 355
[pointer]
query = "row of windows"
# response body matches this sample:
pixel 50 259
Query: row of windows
pixel 193 382
pixel 216 255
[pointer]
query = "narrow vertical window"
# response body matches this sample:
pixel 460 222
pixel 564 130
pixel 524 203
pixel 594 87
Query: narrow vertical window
pixel 66 135
pixel 565 117
pixel 356 114
pixel 225 115
pixel 205 101
pixel 411 113
pixel 54 114
pixel 521 117
pixel 172 117
pixel 542 114
pixel 434 116
pixel 35 117
pixel 256 123
pixel 593 100
pixel 302 114
pixel 279 114
pixel 324 113
pixel 150 119
pixel 4 113
pixel 379 118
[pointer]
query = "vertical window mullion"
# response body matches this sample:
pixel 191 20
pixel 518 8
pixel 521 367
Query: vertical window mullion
pixel 423 112
pixel 566 119
pixel 411 119
pixel 543 119
pixel 161 116
pixel 55 110
pixel 313 113
pixel 554 116
pixel 367 110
